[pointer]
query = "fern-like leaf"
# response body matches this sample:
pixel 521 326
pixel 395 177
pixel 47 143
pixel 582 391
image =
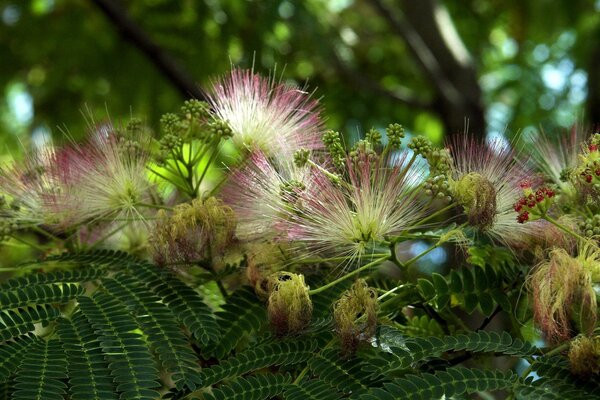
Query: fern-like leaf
pixel 417 349
pixel 277 353
pixel 258 387
pixel 343 374
pixel 89 376
pixel 11 354
pixel 14 323
pixel 312 390
pixel 81 275
pixel 183 301
pixel 42 372
pixel 165 337
pixel 449 383
pixel 40 294
pixel 131 363
pixel 243 312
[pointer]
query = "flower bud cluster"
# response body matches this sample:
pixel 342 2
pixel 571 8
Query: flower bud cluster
pixel 395 134
pixel 301 157
pixel 362 152
pixel 591 226
pixel 438 186
pixel 374 137
pixel 421 145
pixel 217 129
pixel 333 143
pixel 533 205
pixel 7 228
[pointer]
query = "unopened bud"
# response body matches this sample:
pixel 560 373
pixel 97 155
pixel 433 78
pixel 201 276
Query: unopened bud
pixel 289 305
pixel 301 157
pixel 584 356
pixel 355 315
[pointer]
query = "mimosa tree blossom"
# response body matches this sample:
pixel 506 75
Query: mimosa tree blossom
pixel 105 179
pixel 262 191
pixel 485 180
pixel 266 115
pixel 376 197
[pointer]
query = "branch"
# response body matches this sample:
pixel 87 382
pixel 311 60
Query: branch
pixel 402 95
pixel 426 28
pixel 132 32
pixel 420 50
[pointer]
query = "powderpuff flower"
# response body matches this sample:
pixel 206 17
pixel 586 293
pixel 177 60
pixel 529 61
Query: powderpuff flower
pixel 563 292
pixel 378 197
pixel 261 193
pixel 555 159
pixel 30 189
pixel 266 115
pixel 104 179
pixel 485 180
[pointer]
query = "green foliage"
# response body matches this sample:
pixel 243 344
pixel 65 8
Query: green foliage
pixel 41 372
pixel 134 331
pixel 262 386
pixel 476 287
pixel 243 312
pixel 451 382
pixel 311 390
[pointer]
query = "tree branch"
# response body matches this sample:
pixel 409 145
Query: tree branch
pixel 132 32
pixel 402 95
pixel 430 36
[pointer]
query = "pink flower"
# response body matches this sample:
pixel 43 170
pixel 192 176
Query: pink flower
pixel 266 115
pixel 261 192
pixel 320 212
pixel 495 164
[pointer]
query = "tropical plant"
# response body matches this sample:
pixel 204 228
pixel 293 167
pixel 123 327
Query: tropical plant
pixel 246 253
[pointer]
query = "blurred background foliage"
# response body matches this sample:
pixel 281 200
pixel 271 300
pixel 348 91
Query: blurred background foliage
pixel 507 66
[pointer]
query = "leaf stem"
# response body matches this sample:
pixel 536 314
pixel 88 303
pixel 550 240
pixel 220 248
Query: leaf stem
pixel 564 228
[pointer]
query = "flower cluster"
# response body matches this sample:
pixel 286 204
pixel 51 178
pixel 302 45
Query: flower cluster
pixel 253 176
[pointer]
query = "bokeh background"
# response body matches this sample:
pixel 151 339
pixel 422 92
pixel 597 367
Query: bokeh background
pixel 501 66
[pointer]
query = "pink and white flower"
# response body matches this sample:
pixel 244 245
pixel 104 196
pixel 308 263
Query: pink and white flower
pixel 266 115
pixel 325 214
pixel 257 193
pixel 498 166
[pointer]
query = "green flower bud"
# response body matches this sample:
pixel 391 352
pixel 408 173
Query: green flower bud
pixel 438 186
pixel 395 134
pixel 361 152
pixel 134 126
pixel 195 109
pixel 333 143
pixel 355 315
pixel 7 228
pixel 219 129
pixel 374 137
pixel 301 157
pixel 170 122
pixel 289 304
pixel 170 142
pixel 420 145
